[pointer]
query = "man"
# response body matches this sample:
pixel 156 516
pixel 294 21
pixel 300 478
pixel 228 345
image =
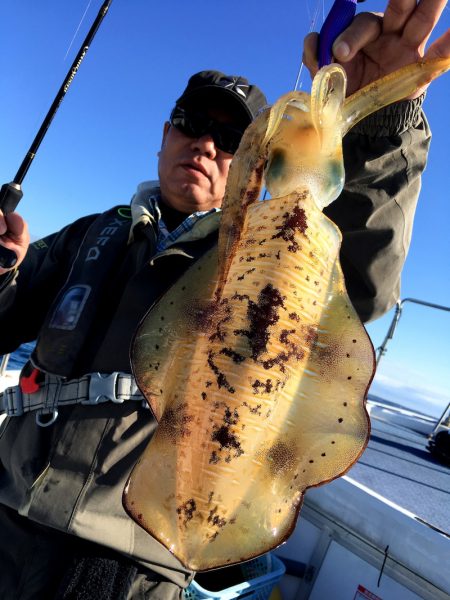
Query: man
pixel 83 291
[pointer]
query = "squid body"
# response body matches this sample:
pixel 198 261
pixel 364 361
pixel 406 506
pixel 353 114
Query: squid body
pixel 255 362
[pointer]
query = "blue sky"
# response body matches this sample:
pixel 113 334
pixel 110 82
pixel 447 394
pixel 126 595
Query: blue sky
pixel 106 135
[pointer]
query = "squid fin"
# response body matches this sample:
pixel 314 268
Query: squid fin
pixel 168 327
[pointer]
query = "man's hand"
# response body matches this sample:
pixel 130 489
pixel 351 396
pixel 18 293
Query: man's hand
pixel 374 45
pixel 14 236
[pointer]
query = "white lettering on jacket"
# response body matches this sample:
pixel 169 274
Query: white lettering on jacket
pixel 105 235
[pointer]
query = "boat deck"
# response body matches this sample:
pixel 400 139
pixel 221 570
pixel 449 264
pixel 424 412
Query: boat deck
pixel 398 466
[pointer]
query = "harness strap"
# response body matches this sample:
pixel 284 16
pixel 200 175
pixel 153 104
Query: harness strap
pixel 91 389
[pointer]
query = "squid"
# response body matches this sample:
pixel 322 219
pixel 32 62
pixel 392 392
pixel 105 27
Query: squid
pixel 255 363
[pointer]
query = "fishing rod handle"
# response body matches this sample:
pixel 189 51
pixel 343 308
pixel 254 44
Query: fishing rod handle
pixel 8 258
pixel 10 196
pixel 338 19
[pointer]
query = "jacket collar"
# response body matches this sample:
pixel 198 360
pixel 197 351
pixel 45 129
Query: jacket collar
pixel 145 210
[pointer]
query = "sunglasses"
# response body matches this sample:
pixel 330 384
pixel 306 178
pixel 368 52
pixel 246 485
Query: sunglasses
pixel 195 125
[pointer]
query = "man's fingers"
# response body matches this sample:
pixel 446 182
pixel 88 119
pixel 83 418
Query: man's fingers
pixel 397 14
pixel 14 242
pixel 364 29
pixel 17 227
pixel 440 48
pixel 15 234
pixel 422 22
pixel 3 225
pixel 310 45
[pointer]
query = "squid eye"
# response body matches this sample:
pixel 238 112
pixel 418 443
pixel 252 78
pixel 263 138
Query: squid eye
pixel 277 164
pixel 335 171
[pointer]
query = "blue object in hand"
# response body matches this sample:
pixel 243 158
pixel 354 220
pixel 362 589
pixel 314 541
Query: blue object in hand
pixel 338 19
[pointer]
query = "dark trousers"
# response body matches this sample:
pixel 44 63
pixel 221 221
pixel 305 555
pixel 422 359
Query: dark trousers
pixel 40 563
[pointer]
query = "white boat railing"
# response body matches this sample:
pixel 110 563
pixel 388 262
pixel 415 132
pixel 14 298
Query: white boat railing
pixel 444 421
pixel 381 350
pixel 4 364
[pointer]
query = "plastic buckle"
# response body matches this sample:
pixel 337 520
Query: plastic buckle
pixel 102 388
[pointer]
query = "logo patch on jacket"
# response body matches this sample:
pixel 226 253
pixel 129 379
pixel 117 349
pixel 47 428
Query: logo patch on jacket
pixel 70 307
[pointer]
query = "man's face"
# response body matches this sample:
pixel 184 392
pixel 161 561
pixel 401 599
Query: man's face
pixel 193 171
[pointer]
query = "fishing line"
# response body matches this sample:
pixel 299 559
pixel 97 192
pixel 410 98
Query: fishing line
pixel 313 22
pixel 76 31
pixel 312 25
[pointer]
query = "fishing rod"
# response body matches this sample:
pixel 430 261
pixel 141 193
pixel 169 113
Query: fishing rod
pixel 11 193
pixel 339 18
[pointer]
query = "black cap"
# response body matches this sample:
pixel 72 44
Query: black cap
pixel 207 86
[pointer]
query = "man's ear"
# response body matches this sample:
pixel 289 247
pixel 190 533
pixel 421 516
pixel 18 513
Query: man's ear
pixel 165 132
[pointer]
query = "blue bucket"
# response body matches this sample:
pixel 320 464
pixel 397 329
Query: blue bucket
pixel 258 579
